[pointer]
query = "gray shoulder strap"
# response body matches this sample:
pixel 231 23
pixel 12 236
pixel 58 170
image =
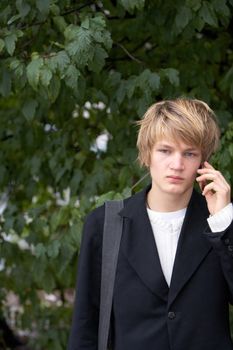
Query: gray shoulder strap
pixel 110 249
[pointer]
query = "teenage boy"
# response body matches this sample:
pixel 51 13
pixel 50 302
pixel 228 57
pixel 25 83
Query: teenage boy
pixel 174 277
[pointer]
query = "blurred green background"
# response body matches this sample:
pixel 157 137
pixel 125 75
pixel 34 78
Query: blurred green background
pixel 74 78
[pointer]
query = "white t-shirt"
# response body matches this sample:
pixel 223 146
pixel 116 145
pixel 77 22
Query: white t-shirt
pixel 166 228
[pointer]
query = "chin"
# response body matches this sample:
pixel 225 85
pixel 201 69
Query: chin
pixel 177 190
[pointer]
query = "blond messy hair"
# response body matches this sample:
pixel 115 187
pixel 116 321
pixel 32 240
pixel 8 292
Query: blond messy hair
pixel 188 120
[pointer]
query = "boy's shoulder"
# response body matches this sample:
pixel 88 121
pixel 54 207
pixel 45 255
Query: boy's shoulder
pixel 98 213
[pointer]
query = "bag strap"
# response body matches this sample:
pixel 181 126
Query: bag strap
pixel 111 243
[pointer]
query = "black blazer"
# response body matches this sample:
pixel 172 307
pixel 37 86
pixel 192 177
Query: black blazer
pixel 148 315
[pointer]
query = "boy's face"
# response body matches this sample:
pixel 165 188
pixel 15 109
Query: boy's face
pixel 173 166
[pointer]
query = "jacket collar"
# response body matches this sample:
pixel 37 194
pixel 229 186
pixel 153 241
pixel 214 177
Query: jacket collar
pixel 135 203
pixel 192 246
pixel 138 245
pixel 140 249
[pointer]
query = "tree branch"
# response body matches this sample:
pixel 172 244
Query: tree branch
pixel 128 53
pixel 62 14
pixel 68 12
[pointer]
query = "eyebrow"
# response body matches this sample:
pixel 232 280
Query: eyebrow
pixel 171 147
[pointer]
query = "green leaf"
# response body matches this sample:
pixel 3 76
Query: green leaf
pixel 9 223
pixel 81 48
pixel 48 282
pixel 38 265
pixel 10 41
pixel 172 75
pixel 114 79
pixel 194 4
pixel 231 150
pixel 143 103
pixel 147 79
pixel 29 109
pixel 5 14
pixel 54 88
pixel 2 45
pixel 105 197
pixel 58 61
pixel 53 249
pixel 76 180
pixel 58 218
pixel 35 164
pixel 183 17
pixel 86 23
pixel 231 91
pixel 199 23
pixel 98 60
pixel 71 76
pixel 84 39
pixel 23 7
pixel 3 174
pixel 226 81
pixel 98 21
pixel 60 23
pixel 55 9
pixel 5 83
pixel 33 72
pixel 131 86
pixel 208 14
pixel 40 250
pixel 17 67
pixel 99 33
pixel 43 6
pixel 13 19
pixel 45 76
pixel 107 40
pixel 72 48
pixel 121 92
pixel 71 32
pixel 154 81
pixel 221 8
pixel 130 5
pixel 14 63
pixel 67 251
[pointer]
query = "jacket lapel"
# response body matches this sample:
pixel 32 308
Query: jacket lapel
pixel 192 246
pixel 138 245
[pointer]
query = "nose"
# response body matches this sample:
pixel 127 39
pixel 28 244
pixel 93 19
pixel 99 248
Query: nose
pixel 177 162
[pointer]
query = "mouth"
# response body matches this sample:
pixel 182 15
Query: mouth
pixel 175 178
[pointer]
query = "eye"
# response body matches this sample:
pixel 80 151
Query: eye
pixel 164 150
pixel 189 154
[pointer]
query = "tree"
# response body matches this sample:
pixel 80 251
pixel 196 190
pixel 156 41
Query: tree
pixel 72 73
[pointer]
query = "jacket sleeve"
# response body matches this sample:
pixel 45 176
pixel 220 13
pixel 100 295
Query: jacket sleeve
pixel 222 242
pixel 84 329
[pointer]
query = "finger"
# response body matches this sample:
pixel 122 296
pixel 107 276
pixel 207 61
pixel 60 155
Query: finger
pixel 212 177
pixel 208 165
pixel 209 189
pixel 215 178
pixel 206 177
pixel 207 170
pixel 216 173
pixel 214 187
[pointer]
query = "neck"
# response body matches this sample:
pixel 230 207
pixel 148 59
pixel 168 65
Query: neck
pixel 167 202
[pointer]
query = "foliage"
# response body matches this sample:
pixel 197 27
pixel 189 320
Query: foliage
pixel 70 72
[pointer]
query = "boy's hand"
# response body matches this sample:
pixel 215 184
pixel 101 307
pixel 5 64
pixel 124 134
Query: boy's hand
pixel 217 192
